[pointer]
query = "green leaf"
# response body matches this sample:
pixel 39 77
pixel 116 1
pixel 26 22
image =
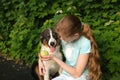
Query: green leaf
pixel 114 1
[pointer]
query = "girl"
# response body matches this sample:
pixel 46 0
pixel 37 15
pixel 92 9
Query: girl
pixel 80 50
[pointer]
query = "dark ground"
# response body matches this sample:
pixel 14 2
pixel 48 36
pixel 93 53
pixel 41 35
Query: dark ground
pixel 11 71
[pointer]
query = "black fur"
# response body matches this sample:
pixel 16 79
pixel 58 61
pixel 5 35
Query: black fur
pixel 33 72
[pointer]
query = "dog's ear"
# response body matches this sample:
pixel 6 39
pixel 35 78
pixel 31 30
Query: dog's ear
pixel 41 36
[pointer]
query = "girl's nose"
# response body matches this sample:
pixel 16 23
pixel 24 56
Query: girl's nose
pixel 61 38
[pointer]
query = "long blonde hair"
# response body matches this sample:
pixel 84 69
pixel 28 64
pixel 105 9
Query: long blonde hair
pixel 70 25
pixel 94 58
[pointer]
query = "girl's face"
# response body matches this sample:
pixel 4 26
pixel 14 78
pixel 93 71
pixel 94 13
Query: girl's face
pixel 69 38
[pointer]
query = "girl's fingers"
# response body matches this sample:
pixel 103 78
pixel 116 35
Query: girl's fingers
pixel 46 58
pixel 42 71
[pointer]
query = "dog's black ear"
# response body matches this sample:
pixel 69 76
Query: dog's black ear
pixel 41 36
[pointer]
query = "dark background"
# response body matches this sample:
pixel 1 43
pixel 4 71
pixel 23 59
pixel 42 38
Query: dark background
pixel 9 70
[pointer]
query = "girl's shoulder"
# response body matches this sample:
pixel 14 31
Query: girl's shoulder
pixel 84 45
pixel 83 40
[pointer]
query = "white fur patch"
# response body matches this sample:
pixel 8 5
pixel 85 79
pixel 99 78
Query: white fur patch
pixel 51 38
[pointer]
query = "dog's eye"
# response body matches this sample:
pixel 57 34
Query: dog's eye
pixel 55 35
pixel 48 35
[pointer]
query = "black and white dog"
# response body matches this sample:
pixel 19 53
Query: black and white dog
pixel 50 42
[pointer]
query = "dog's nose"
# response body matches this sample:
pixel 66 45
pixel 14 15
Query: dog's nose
pixel 52 44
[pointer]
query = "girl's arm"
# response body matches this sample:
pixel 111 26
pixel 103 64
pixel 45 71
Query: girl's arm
pixel 41 67
pixel 80 66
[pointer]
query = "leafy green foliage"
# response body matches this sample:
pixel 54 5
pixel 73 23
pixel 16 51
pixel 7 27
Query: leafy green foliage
pixel 22 21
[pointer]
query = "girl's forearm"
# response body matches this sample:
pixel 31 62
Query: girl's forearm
pixel 67 68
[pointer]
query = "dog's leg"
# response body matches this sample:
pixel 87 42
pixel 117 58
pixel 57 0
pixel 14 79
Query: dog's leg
pixel 60 70
pixel 46 76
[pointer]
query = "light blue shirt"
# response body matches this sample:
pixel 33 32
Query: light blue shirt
pixel 72 51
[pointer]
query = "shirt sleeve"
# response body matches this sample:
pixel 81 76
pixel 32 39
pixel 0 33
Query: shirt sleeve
pixel 85 47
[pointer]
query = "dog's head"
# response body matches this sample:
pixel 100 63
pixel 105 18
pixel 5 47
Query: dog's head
pixel 50 39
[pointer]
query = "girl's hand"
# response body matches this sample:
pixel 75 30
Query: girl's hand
pixel 46 58
pixel 41 68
